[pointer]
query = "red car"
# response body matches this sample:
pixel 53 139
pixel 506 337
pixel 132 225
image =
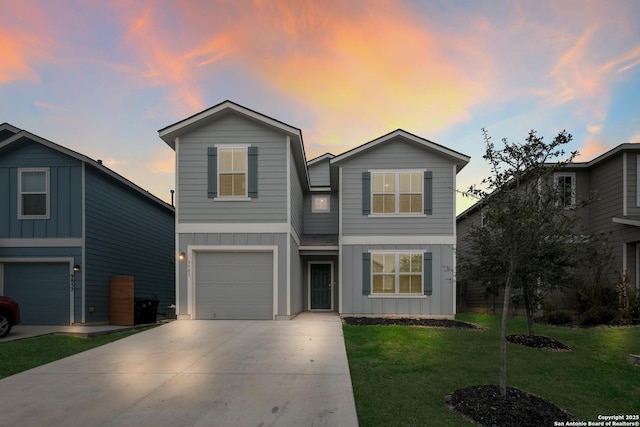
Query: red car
pixel 9 315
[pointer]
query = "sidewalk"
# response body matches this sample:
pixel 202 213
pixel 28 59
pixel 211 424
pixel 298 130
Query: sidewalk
pixel 19 332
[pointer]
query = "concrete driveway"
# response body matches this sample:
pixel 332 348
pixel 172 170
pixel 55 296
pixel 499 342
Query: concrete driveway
pixel 195 373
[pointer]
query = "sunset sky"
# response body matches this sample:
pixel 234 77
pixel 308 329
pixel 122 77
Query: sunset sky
pixel 101 77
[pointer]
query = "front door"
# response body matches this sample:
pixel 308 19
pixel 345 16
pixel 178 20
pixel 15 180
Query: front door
pixel 320 286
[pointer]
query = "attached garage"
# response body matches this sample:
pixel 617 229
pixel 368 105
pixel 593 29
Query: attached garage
pixel 234 285
pixel 42 289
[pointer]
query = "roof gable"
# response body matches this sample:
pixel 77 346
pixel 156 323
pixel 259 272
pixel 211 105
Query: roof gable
pixel 23 134
pixel 459 159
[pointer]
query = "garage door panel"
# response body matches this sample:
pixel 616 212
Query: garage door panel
pixel 41 289
pixel 236 285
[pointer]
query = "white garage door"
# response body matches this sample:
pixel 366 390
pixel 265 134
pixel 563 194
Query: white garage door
pixel 234 285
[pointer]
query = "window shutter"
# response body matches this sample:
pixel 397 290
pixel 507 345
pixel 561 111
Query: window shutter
pixel 427 273
pixel 428 192
pixel 252 185
pixel 366 193
pixel 212 171
pixel 366 273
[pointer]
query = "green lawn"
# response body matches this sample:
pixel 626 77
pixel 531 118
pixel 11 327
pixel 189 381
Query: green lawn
pixel 21 355
pixel 401 374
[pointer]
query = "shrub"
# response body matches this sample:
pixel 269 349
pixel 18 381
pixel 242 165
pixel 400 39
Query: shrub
pixel 598 316
pixel 557 317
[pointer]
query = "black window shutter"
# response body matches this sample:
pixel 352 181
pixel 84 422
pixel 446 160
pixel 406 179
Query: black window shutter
pixel 252 185
pixel 428 192
pixel 427 273
pixel 366 273
pixel 366 193
pixel 212 172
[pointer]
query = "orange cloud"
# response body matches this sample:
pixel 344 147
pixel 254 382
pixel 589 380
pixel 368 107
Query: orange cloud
pixel 24 41
pixel 592 148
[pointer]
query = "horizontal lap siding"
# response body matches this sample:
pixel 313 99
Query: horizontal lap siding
pixel 296 199
pixel 319 174
pixel 321 223
pixel 196 207
pixel 65 200
pixel 633 202
pixel 439 303
pixel 398 155
pixel 126 234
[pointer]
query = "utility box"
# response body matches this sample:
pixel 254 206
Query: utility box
pixel 121 301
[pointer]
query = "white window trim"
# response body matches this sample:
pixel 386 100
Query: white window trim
pixel 397 273
pixel 313 205
pixel 244 197
pixel 572 175
pixel 48 193
pixel 397 193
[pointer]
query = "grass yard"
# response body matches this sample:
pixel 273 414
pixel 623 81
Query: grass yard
pixel 21 355
pixel 401 374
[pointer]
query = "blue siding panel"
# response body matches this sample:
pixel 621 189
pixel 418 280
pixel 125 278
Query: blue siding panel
pixel 65 201
pixel 126 234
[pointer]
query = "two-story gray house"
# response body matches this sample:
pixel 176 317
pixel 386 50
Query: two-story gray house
pixel 612 182
pixel 263 234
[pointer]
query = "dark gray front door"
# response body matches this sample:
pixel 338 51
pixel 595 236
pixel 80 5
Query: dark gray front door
pixel 320 286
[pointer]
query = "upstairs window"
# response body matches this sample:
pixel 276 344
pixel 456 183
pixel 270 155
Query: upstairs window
pixel 566 186
pixel 396 192
pixel 33 193
pixel 232 172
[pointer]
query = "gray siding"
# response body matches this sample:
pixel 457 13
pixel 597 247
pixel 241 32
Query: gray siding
pixel 440 303
pixel 296 280
pixel 319 174
pixel 398 155
pixel 321 223
pixel 65 183
pixel 126 234
pixel 296 199
pixel 633 202
pixel 233 239
pixel 196 207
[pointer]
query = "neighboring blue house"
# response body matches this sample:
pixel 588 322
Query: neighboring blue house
pixel 67 224
pixel 264 234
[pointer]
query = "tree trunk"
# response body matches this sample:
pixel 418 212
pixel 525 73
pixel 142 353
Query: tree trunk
pixel 503 335
pixel 529 311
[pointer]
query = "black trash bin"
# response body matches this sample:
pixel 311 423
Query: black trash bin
pixel 145 311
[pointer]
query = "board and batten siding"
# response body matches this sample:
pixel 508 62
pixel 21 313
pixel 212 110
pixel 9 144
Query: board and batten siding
pixel 214 240
pixel 126 234
pixel 321 222
pixel 194 204
pixel 65 193
pixel 397 155
pixel 440 303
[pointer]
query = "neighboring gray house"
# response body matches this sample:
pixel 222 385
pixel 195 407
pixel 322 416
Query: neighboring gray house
pixel 263 234
pixel 612 180
pixel 67 224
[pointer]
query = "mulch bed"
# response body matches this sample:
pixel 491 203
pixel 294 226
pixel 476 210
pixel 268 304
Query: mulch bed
pixel 483 405
pixel 404 321
pixel 538 341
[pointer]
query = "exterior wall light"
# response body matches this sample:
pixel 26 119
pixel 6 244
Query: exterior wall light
pixel 182 256
pixel 76 268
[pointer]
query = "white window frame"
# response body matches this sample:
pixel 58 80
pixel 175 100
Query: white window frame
pixel 571 175
pixel 397 193
pixel 20 193
pixel 219 171
pixel 315 209
pixel 397 273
